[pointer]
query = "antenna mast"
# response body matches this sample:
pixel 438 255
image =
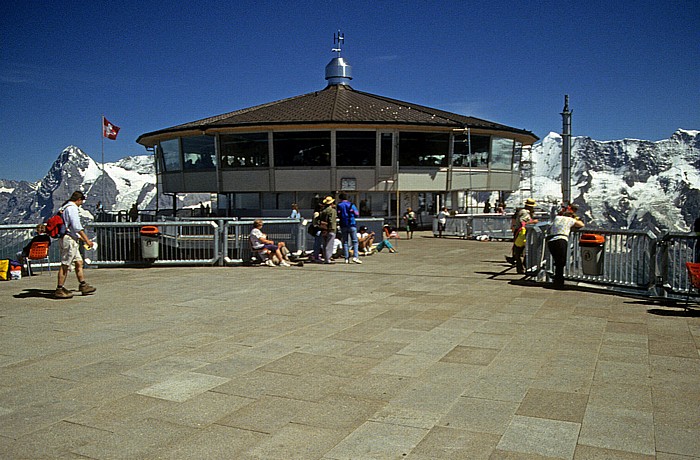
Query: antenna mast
pixel 566 153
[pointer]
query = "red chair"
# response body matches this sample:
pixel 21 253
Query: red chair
pixel 39 251
pixel 693 274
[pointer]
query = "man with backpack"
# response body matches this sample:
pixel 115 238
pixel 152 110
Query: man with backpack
pixel 69 244
pixel 347 212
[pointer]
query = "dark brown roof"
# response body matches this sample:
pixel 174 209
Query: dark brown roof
pixel 338 104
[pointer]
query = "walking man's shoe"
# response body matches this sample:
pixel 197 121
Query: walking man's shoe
pixel 86 289
pixel 62 293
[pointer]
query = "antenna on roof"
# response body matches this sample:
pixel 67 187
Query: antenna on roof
pixel 338 71
pixel 338 39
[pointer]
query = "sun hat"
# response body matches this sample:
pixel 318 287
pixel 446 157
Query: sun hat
pixel 328 200
pixel 530 202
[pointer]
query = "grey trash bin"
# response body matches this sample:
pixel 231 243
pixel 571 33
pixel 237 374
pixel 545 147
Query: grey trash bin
pixel 592 252
pixel 150 242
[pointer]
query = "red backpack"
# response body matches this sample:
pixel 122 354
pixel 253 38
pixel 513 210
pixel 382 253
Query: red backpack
pixel 55 226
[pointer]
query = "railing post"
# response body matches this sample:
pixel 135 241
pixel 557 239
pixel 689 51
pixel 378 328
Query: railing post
pixel 659 267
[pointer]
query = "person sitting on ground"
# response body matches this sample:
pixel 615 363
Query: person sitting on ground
pixel 387 233
pixel 337 248
pixel 260 242
pixel 366 241
pixel 41 237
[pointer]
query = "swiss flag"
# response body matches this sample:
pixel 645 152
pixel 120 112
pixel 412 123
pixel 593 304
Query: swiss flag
pixel 109 130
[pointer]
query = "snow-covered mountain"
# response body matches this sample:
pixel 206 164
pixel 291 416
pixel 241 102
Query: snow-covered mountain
pixel 128 181
pixel 628 183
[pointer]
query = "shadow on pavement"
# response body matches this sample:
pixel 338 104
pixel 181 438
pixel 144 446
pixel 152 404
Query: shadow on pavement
pixel 685 313
pixel 41 293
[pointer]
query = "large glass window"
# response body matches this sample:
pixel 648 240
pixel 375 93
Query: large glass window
pixel 170 150
pixel 501 153
pixel 475 155
pixel 355 148
pixel 308 148
pixel 387 144
pixel 423 149
pixel 199 152
pixel 244 150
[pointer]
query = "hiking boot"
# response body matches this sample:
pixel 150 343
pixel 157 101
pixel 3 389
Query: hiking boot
pixel 62 293
pixel 86 289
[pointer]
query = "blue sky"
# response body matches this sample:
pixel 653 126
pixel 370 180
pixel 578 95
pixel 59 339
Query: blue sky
pixel 631 68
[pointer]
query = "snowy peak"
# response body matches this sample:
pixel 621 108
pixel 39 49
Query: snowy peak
pixel 628 183
pixel 124 183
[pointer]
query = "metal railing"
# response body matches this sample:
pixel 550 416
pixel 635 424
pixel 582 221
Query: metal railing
pixel 632 261
pixel 236 244
pixel 179 243
pixel 222 241
pixel 493 226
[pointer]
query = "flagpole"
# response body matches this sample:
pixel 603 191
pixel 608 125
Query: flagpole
pixel 102 136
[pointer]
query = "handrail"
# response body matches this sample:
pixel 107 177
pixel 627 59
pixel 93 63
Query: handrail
pixel 634 261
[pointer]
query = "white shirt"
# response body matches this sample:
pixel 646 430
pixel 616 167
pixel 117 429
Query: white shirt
pixel 561 228
pixel 255 236
pixel 71 217
pixel 442 217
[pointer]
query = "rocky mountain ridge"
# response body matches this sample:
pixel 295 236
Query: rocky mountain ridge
pixel 627 183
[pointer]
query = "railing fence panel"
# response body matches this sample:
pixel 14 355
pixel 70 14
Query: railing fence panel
pixel 633 261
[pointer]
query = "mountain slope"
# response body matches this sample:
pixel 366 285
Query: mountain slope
pixel 128 181
pixel 625 184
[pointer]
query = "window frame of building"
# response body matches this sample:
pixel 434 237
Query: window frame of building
pixel 517 155
pixel 386 148
pixel 423 149
pixel 320 158
pixel 252 152
pixel 501 157
pixel 471 151
pixel 198 152
pixel 349 152
pixel 172 160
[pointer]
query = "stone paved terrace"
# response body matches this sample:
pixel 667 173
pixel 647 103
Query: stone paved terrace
pixel 419 355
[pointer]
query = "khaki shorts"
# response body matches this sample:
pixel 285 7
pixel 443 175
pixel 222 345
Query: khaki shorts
pixel 70 251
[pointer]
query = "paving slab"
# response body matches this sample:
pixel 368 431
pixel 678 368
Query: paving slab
pixel 436 352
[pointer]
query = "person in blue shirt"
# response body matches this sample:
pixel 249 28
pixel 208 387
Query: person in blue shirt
pixel 347 212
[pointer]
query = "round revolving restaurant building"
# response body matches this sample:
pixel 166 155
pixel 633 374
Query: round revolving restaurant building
pixel 257 161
